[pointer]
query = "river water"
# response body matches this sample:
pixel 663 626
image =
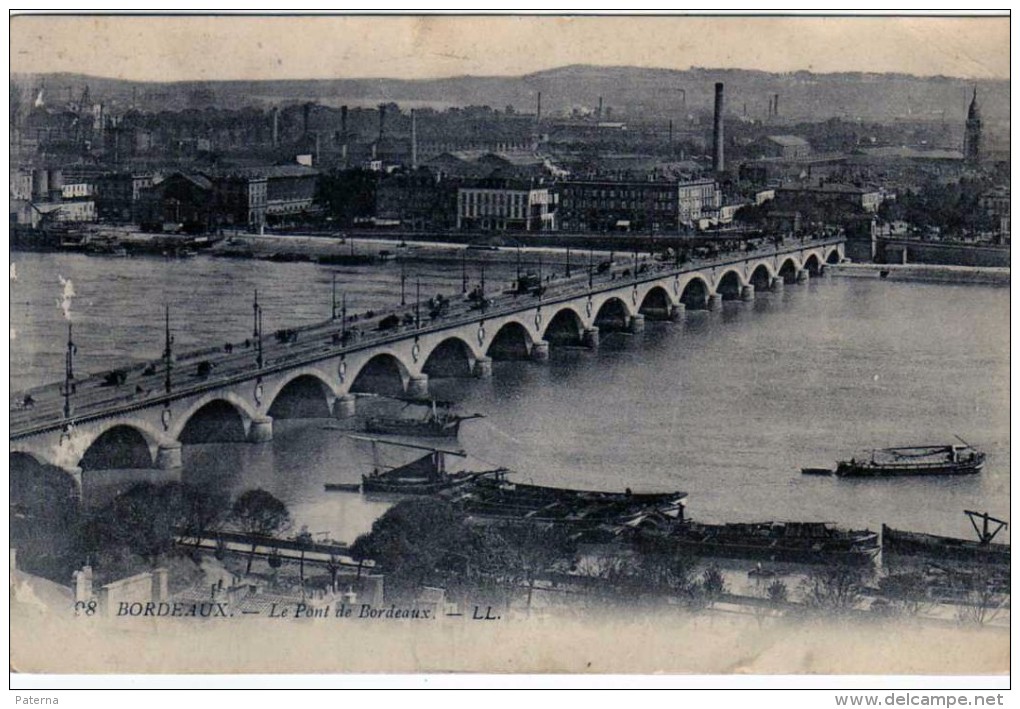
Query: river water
pixel 727 406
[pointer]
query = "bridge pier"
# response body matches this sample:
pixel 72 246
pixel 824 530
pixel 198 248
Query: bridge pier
pixel 678 313
pixel 747 293
pixel 636 323
pixel 803 276
pixel 483 367
pixel 261 430
pixel 418 385
pixel 168 456
pixel 345 406
pixel 715 301
pixel 76 476
pixel 540 351
pixel 590 338
pixel 777 284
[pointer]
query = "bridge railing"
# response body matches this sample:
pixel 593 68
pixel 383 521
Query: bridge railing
pixel 302 352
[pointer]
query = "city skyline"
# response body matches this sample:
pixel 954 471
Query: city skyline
pixel 190 48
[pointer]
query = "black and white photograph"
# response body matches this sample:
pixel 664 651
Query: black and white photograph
pixel 510 344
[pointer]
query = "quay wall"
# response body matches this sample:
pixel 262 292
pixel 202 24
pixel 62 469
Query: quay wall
pixel 900 251
pixel 924 272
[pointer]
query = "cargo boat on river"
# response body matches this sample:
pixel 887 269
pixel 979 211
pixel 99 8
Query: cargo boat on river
pixel 949 459
pixel 438 421
pixel 932 546
pixel 426 475
pixel 495 499
pixel 797 542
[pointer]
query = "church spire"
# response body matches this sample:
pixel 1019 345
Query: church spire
pixel 972 134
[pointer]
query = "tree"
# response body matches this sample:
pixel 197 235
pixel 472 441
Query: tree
pixel 417 542
pixel 834 588
pixel 259 514
pixel 908 592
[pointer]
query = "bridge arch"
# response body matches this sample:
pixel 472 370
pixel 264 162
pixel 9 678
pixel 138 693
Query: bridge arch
pixel 129 444
pixel 656 303
pixel 613 314
pixel 761 276
pixel 307 393
pixel 729 284
pixel 452 357
pixel 384 373
pixel 566 327
pixel 813 264
pixel 833 256
pixel 695 293
pixel 788 269
pixel 512 340
pixel 222 400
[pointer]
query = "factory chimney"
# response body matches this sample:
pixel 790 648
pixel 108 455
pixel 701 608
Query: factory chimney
pixel 598 116
pixel 538 110
pixel 382 120
pixel 717 132
pixel 276 126
pixel 775 108
pixel 343 132
pixel 307 117
pixel 414 140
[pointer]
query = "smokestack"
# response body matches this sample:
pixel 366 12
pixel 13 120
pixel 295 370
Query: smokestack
pixel 343 132
pixel 414 140
pixel 538 111
pixel 276 126
pixel 775 109
pixel 598 115
pixel 307 116
pixel 670 132
pixel 382 120
pixel 718 164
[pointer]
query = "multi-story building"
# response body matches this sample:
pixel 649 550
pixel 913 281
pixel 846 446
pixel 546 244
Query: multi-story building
pixel 240 200
pixel 118 195
pixel 418 200
pixel 995 202
pixel 639 205
pixel 506 205
pixel 832 193
pixel 697 198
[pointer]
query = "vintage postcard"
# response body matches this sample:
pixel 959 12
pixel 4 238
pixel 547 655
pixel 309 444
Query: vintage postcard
pixel 509 344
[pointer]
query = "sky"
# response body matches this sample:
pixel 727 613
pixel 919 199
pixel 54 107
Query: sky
pixel 208 48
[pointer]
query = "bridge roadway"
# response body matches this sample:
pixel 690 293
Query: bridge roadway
pixel 569 311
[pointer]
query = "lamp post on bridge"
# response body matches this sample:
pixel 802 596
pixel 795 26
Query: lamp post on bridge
pixel 463 272
pixel 568 262
pixel 403 280
pixel 68 373
pixel 417 303
pixel 591 267
pixel 333 311
pixel 168 355
pixel 257 334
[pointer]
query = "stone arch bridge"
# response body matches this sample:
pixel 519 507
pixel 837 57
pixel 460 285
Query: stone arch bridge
pixel 319 376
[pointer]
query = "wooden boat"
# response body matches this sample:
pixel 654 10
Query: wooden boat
pixel 496 499
pixel 423 476
pixel 798 542
pixel 816 471
pixel 982 550
pixel 949 459
pixel 438 421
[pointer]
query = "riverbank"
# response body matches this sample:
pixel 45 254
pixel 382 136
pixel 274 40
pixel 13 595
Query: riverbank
pixel 977 275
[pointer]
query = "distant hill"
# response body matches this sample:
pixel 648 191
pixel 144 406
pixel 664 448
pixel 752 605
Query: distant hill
pixel 631 93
